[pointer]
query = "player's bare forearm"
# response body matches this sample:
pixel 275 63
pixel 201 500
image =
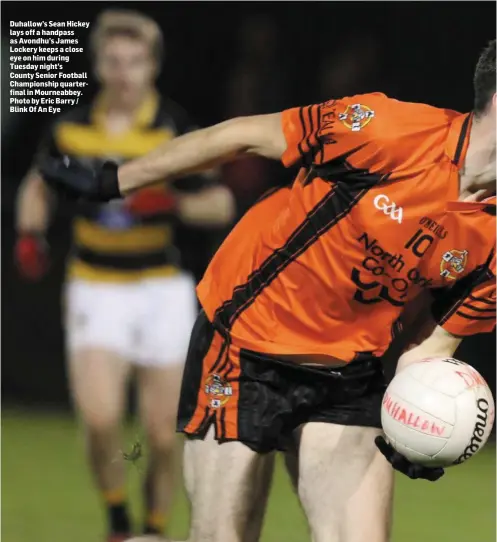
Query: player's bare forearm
pixel 33 205
pixel 437 343
pixel 213 206
pixel 204 149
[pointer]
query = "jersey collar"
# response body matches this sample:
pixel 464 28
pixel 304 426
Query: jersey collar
pixel 487 205
pixel 143 117
pixel 458 139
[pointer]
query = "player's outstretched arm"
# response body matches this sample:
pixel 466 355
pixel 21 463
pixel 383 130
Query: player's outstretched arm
pixel 185 155
pixel 203 149
pixel 313 134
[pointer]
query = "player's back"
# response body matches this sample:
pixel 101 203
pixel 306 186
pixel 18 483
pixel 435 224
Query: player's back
pixel 253 238
pixel 331 268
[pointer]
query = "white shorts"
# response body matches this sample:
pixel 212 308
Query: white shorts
pixel 147 322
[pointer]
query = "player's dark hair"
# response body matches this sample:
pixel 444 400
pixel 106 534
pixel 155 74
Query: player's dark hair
pixel 484 80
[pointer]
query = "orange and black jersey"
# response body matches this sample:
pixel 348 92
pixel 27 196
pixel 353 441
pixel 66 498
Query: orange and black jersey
pixel 327 267
pixel 110 242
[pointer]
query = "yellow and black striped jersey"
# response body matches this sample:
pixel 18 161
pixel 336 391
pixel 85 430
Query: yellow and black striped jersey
pixel 110 242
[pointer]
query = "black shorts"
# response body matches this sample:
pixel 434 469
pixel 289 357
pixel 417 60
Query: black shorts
pixel 260 401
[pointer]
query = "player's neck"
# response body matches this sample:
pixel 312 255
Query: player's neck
pixel 120 115
pixel 115 106
pixel 478 172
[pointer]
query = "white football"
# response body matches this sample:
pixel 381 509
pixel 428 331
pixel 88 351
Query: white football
pixel 438 412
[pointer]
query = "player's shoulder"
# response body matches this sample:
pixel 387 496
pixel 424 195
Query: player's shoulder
pixel 76 115
pixel 171 114
pixel 394 112
pixel 401 132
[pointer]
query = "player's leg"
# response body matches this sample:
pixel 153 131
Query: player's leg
pixel 98 373
pixel 158 389
pixel 227 483
pixel 167 320
pixel 228 486
pixel 291 458
pixel 344 483
pixel 260 496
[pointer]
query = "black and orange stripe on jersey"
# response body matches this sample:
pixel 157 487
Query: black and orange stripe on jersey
pixel 337 203
pixel 470 306
pixel 333 207
pixel 463 140
pixel 461 291
pixel 110 244
pixel 477 308
pixel 309 118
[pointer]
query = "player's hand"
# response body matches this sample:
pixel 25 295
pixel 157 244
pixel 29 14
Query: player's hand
pixel 75 181
pixel 150 202
pixel 31 256
pixel 403 465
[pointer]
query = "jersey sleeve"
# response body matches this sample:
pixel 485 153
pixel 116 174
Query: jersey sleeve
pixel 318 133
pixel 472 309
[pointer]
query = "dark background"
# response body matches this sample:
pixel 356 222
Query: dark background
pixel 424 51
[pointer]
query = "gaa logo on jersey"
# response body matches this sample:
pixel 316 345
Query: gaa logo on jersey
pixel 453 263
pixel 356 116
pixel 218 390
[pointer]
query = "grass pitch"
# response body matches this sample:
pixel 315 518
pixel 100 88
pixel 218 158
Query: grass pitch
pixel 47 494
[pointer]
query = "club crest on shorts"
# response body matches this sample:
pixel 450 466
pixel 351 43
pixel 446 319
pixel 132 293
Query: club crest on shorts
pixel 356 116
pixel 218 390
pixel 453 263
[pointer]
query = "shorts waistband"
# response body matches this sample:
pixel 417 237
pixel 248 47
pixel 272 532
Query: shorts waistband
pixel 364 365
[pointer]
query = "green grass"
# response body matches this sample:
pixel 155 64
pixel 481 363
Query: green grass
pixel 47 494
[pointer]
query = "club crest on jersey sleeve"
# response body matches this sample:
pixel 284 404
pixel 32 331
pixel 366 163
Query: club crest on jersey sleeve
pixel 453 263
pixel 356 116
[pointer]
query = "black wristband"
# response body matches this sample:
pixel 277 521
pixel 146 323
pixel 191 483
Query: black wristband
pixel 109 184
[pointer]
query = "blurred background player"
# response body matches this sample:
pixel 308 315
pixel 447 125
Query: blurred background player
pixel 128 304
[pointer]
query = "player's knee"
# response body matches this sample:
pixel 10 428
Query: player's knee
pixel 100 423
pixel 98 381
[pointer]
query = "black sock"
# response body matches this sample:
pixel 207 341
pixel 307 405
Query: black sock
pixel 119 522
